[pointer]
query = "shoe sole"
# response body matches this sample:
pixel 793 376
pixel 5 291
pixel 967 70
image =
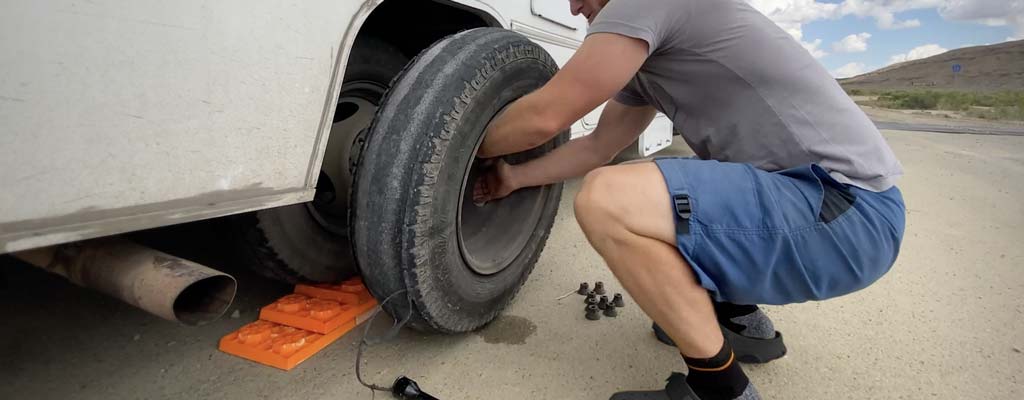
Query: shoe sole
pixel 748 350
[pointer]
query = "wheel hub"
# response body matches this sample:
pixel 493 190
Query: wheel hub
pixel 357 106
pixel 492 235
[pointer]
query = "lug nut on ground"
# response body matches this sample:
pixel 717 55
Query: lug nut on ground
pixel 617 301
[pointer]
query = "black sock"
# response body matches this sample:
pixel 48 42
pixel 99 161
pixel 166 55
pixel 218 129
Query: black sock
pixel 716 378
pixel 727 311
pixel 724 310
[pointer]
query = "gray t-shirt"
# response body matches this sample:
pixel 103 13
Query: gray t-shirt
pixel 740 89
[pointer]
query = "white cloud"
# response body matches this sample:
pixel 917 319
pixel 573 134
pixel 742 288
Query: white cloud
pixel 855 43
pixel 910 23
pixel 884 11
pixel 848 70
pixel 988 12
pixel 918 52
pixel 790 15
pixel 812 48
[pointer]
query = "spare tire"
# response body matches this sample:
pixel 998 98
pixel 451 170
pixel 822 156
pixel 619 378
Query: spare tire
pixel 412 221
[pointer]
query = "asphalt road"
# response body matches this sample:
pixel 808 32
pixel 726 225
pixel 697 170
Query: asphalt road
pixel 947 322
pixel 950 128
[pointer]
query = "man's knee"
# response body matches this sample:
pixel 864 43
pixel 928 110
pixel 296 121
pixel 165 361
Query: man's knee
pixel 626 199
pixel 598 202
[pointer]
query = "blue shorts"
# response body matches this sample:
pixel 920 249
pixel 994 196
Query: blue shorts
pixel 758 237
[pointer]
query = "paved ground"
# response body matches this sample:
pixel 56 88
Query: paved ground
pixel 937 117
pixel 947 322
pixel 951 128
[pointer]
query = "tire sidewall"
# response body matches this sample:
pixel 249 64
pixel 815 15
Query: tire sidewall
pixel 438 263
pixel 496 67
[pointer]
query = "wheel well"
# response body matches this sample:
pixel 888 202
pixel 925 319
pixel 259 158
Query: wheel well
pixel 411 26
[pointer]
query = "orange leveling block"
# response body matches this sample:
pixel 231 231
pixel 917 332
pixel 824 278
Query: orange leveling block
pixel 351 291
pixel 296 326
pixel 277 345
pixel 311 314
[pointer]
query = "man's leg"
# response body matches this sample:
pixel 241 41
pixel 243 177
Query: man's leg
pixel 627 217
pixel 625 213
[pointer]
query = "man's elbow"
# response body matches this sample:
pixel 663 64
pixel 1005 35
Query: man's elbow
pixel 597 152
pixel 541 118
pixel 542 134
pixel 546 125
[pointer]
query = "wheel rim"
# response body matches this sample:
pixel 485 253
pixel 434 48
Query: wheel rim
pixel 491 236
pixel 357 105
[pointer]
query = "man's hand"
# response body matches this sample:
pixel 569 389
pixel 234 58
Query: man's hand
pixel 494 182
pixel 618 127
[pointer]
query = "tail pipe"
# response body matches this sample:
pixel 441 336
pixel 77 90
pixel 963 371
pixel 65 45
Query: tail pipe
pixel 164 285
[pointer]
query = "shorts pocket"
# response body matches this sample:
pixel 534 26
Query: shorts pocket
pixel 836 198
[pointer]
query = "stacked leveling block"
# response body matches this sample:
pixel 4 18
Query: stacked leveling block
pixel 296 326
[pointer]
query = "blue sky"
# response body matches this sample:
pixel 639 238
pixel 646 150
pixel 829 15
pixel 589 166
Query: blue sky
pixel 887 31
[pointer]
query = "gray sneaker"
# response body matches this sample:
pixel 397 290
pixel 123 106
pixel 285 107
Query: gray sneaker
pixel 677 389
pixel 753 338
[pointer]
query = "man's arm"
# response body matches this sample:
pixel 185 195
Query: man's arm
pixel 618 126
pixel 601 67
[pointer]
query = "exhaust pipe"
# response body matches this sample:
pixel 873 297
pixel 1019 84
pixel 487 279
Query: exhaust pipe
pixel 164 285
